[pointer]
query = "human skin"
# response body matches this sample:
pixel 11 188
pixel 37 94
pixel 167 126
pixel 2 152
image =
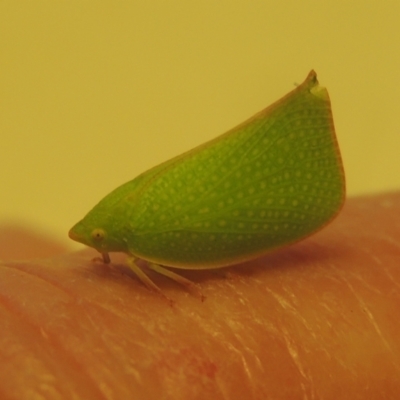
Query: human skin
pixel 316 320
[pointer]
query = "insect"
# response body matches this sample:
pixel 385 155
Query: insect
pixel 269 182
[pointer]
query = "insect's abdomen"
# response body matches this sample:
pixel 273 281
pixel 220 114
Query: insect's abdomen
pixel 267 183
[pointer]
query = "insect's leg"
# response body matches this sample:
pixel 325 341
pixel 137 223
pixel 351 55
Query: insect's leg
pixel 144 278
pixel 105 258
pixel 177 278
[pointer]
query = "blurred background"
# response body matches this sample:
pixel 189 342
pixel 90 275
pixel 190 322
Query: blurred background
pixel 92 93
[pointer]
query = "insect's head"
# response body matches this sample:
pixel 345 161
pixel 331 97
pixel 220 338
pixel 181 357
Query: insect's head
pixel 98 234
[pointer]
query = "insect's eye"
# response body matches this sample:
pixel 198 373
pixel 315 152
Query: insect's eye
pixel 98 235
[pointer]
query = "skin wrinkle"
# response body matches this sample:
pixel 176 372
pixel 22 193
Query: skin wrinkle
pixel 363 306
pixel 292 351
pixel 115 311
pixel 222 389
pixel 118 348
pixel 388 274
pixel 291 344
pixel 292 310
pixel 362 281
pixel 244 352
pixel 303 388
pixel 239 353
pixel 118 353
pixel 242 358
pixel 113 345
pixel 376 259
pixel 54 283
pixel 390 240
pixel 326 350
pixel 73 359
pixel 250 311
pixel 288 307
pixel 23 271
pixel 371 319
pixel 265 325
pixel 379 262
pixel 392 279
pixel 294 354
pixel 107 386
pixel 38 355
pixel 245 348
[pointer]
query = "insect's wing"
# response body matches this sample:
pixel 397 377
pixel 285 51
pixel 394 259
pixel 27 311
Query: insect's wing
pixel 271 181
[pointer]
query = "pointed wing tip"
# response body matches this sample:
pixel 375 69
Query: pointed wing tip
pixel 312 78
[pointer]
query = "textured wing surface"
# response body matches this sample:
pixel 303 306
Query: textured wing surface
pixel 271 181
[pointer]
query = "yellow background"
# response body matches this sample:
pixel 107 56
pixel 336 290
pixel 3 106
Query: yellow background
pixel 92 93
